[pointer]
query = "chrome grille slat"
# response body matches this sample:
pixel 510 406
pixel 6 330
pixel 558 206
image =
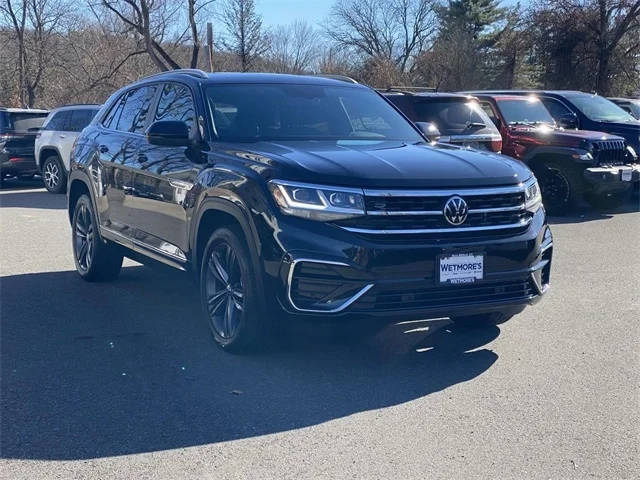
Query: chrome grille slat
pixel 393 212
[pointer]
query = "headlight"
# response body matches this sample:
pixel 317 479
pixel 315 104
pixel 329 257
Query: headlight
pixel 532 196
pixel 632 152
pixel 317 202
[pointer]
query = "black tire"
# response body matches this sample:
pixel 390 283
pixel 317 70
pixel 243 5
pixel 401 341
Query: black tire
pixel 54 175
pixel 229 291
pixel 482 320
pixel 562 187
pixel 96 260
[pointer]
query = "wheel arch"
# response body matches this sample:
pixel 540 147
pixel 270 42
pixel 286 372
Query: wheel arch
pixel 46 152
pixel 77 188
pixel 218 212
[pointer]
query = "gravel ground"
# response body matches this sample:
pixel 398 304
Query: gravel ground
pixel 122 380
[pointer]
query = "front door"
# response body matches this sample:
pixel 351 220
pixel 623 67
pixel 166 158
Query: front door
pixel 165 177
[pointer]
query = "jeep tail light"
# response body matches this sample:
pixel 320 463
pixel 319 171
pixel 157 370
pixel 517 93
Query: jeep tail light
pixel 496 145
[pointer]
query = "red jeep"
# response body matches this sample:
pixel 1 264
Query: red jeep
pixel 570 164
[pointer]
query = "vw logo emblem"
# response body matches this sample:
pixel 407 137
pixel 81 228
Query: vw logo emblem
pixel 456 210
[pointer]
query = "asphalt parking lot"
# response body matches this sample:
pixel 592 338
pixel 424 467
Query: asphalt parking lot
pixel 122 379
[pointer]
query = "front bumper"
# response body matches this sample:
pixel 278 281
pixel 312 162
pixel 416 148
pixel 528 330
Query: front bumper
pixel 617 177
pixel 330 272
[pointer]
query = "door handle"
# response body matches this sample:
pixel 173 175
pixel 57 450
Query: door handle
pixel 103 149
pixel 63 136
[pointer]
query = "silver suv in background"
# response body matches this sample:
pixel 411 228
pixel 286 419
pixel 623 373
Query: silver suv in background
pixel 55 140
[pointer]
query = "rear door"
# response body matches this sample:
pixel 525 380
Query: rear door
pixel 119 142
pixel 51 131
pixel 165 176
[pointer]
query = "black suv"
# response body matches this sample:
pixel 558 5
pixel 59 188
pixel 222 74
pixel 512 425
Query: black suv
pixel 296 196
pixel 18 130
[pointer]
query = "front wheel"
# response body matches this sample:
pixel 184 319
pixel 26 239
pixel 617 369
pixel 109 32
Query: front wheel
pixel 228 292
pixel 95 259
pixel 561 187
pixel 482 320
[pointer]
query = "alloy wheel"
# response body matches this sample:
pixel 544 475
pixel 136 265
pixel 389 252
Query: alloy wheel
pixel 224 290
pixel 555 188
pixel 84 232
pixel 51 175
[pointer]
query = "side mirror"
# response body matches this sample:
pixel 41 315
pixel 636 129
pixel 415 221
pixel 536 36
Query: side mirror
pixel 429 130
pixel 169 133
pixel 568 120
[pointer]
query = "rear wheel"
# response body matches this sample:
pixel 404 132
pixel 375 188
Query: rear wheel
pixel 95 259
pixel 54 175
pixel 561 186
pixel 228 292
pixel 482 320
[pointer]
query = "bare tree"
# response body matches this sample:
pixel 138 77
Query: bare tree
pixel 609 21
pixel 294 48
pixel 245 37
pixel 154 21
pixel 36 25
pixel 393 30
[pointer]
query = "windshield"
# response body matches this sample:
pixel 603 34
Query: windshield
pixel 598 108
pixel 453 117
pixel 255 112
pixel 527 112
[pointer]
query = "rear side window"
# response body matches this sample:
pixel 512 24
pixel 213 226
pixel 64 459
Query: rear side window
pixel 80 119
pixel 176 104
pixel 555 107
pixel 134 112
pixel 59 121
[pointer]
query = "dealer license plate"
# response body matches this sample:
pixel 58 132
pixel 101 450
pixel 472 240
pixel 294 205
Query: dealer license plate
pixel 461 268
pixel 625 174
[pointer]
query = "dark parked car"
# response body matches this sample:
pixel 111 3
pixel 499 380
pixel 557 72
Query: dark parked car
pixel 18 129
pixel 586 111
pixel 631 105
pixel 570 164
pixel 458 119
pixel 294 198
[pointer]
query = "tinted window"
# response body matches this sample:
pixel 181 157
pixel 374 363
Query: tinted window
pixel 556 108
pixel 80 119
pixel 598 108
pixel 176 104
pixel 25 122
pixel 488 109
pixel 133 116
pixel 59 121
pixel 453 117
pixel 528 111
pixel 304 112
pixel 111 120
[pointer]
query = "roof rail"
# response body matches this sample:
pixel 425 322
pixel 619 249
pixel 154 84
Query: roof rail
pixel 342 78
pixel 79 105
pixel 407 90
pixel 194 72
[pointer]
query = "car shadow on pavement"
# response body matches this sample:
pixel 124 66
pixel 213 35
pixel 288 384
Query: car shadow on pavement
pixel 588 213
pixel 25 198
pixel 97 370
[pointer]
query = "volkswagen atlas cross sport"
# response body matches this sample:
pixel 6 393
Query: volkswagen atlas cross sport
pixel 297 198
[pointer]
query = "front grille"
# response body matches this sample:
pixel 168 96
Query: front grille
pixel 491 211
pixel 609 152
pixel 398 298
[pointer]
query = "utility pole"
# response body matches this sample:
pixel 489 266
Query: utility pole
pixel 210 45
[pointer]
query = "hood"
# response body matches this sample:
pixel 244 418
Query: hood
pixel 545 135
pixel 383 164
pixel 630 131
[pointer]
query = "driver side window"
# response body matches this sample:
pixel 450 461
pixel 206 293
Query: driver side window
pixel 556 108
